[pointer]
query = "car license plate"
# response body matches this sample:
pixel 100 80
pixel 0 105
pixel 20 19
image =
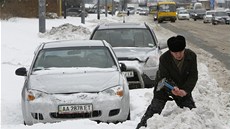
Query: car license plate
pixel 129 74
pixel 68 109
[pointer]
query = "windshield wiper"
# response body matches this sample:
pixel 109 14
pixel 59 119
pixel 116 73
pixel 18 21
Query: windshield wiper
pixel 40 68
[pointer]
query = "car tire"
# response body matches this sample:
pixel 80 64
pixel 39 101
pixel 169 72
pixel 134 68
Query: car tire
pixel 128 118
pixel 159 21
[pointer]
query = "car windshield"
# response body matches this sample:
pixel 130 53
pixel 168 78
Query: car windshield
pixel 73 10
pixel 183 12
pixel 200 11
pixel 167 8
pixel 126 37
pixel 221 14
pixel 210 13
pixel 99 57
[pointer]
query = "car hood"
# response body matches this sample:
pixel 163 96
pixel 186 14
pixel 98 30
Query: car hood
pixel 67 81
pixel 132 53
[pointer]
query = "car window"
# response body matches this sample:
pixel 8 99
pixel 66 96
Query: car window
pixel 183 12
pixel 126 37
pixel 99 57
pixel 221 14
pixel 210 13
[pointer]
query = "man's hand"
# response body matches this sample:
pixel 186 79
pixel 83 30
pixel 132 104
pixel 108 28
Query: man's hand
pixel 178 92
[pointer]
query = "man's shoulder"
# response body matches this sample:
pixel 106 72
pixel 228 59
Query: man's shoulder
pixel 165 56
pixel 190 52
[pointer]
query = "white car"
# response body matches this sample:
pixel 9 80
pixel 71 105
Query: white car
pixel 136 45
pixel 74 80
pixel 208 16
pixel 144 12
pixel 183 15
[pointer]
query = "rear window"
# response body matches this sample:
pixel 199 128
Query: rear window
pixel 126 37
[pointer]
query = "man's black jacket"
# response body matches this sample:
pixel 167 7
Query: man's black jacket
pixel 187 78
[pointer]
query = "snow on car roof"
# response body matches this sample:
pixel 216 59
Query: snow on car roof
pixel 72 43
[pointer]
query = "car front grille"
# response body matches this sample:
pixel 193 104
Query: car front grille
pixel 95 113
pixel 134 82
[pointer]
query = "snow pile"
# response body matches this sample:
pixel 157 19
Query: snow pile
pixel 212 106
pixel 67 31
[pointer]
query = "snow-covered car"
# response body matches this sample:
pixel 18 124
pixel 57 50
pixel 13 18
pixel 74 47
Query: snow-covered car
pixel 220 17
pixel 136 45
pixel 74 80
pixel 183 15
pixel 208 16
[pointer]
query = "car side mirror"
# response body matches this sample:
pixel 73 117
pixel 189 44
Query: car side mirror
pixel 21 71
pixel 122 66
pixel 163 45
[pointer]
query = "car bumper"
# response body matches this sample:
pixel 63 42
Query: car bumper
pixel 45 110
pixel 183 18
pixel 222 21
pixel 207 20
pixel 143 76
pixel 167 18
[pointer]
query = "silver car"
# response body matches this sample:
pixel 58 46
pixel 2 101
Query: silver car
pixel 208 16
pixel 74 80
pixel 220 17
pixel 136 45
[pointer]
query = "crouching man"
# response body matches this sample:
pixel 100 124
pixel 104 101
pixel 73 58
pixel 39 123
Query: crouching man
pixel 179 66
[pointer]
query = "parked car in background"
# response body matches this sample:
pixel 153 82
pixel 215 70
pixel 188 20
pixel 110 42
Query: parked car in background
pixel 183 15
pixel 75 12
pixel 138 10
pixel 131 10
pixel 228 12
pixel 208 16
pixel 74 80
pixel 144 11
pixel 136 45
pixel 220 17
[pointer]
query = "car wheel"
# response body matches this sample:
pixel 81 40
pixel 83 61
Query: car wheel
pixel 194 19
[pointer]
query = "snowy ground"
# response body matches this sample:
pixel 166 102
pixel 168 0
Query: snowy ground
pixel 20 37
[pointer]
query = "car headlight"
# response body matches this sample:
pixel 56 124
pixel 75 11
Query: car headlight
pixel 152 61
pixel 33 94
pixel 114 91
pixel 195 14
